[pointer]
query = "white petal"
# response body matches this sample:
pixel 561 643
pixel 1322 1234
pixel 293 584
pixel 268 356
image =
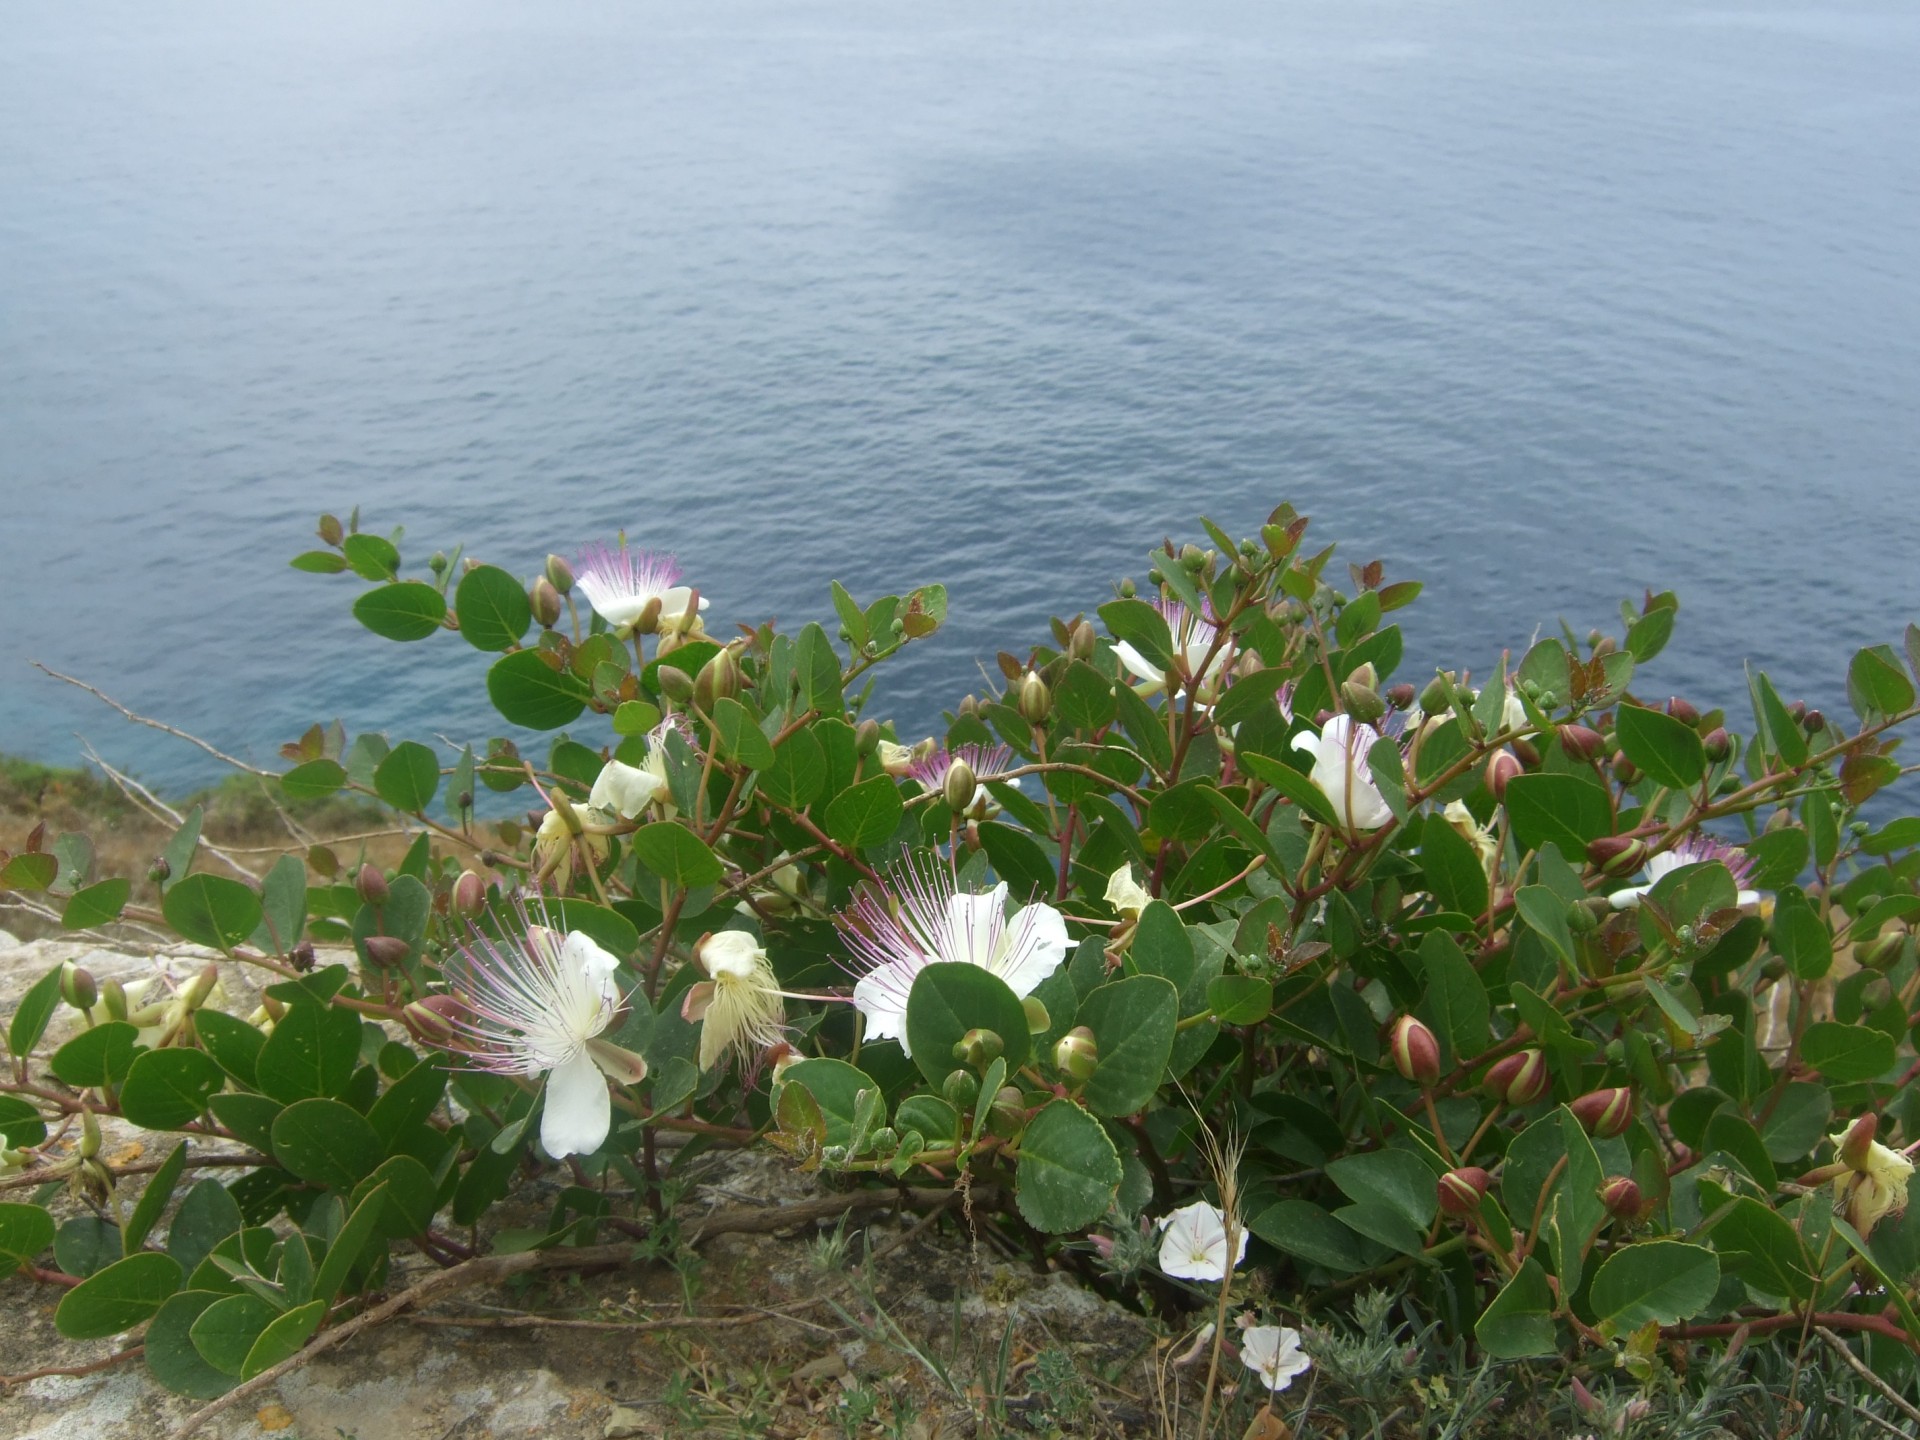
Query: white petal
pixel 618 610
pixel 624 789
pixel 971 924
pixel 1124 893
pixel 579 1111
pixel 1037 944
pixel 674 601
pixel 882 999
pixel 1138 663
pixel 580 956
pixel 1630 897
pixel 732 952
pixel 1308 741
pixel 1513 715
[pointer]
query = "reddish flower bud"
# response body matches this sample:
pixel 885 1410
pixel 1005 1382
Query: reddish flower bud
pixel 1617 854
pixel 1718 744
pixel 372 885
pixel 1501 768
pixel 1622 1198
pixel 1857 1144
pixel 386 951
pixel 1401 696
pixel 1680 710
pixel 433 1020
pixel 1604 1113
pixel 1519 1079
pixel 1815 722
pixel 1624 770
pixel 544 601
pixel 1460 1191
pixel 1581 743
pixel 469 894
pixel 1416 1054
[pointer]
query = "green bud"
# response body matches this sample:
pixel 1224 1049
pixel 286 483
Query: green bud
pixel 1036 700
pixel 1127 589
pixel 719 679
pixel 866 738
pixel 114 997
pixel 1437 698
pixel 330 530
pixel 1077 1054
pixel 159 871
pixel 962 1089
pixel 1082 640
pixel 1008 1117
pixel 1580 918
pixel 1882 951
pixel 77 987
pixel 958 787
pixel 545 602
pixel 89 1135
pixel 884 1141
pixel 979 1048
pixel 675 683
pixel 1038 1021
pixel 559 575
pixel 1362 702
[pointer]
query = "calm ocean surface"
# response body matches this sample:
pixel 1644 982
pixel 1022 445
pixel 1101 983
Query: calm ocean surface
pixel 1543 303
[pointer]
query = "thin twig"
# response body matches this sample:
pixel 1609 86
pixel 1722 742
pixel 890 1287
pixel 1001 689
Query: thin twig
pixel 132 1352
pixel 101 695
pixel 1839 1346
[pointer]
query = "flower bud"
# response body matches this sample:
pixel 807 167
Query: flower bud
pixel 114 997
pixel 1416 1053
pixel 371 885
pixel 1797 711
pixel 1622 1198
pixel 1617 855
pixel 1718 744
pixel 884 1141
pixel 77 987
pixel 1401 696
pixel 195 992
pixel 675 683
pixel 433 1019
pixel 1460 1191
pixel 469 894
pixel 1502 766
pixel 386 951
pixel 962 1089
pixel 979 1048
pixel 1882 951
pixel 1362 702
pixel 159 872
pixel 1625 771
pixel 1682 711
pixel 544 600
pixel 866 738
pixel 1815 722
pixel 89 1145
pixel 1604 1114
pixel 1076 1053
pixel 1581 918
pixel 958 787
pixel 719 679
pixel 1038 1020
pixel 1008 1117
pixel 1036 700
pixel 1856 1145
pixel 330 530
pixel 1081 641
pixel 1519 1079
pixel 1437 698
pixel 1580 742
pixel 559 575
pixel 438 562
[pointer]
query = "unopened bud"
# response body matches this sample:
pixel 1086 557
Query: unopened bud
pixel 1617 855
pixel 1604 1113
pixel 469 894
pixel 1882 951
pixel 1857 1144
pixel 1460 1191
pixel 884 1141
pixel 1009 1114
pixel 371 885
pixel 114 997
pixel 1581 742
pixel 1797 711
pixel 195 992
pixel 1622 1198
pixel 438 562
pixel 77 987
pixel 1416 1053
pixel 1718 744
pixel 1502 766
pixel 719 679
pixel 1038 1020
pixel 1815 722
pixel 544 601
pixel 1625 771
pixel 159 872
pixel 675 683
pixel 962 1089
pixel 979 1048
pixel 1076 1053
pixel 1036 700
pixel 958 787
pixel 1362 702
pixel 1437 698
pixel 1519 1079
pixel 1401 696
pixel 1528 752
pixel 330 530
pixel 89 1135
pixel 559 575
pixel 1683 711
pixel 1081 641
pixel 434 1019
pixel 387 951
pixel 1605 645
pixel 866 737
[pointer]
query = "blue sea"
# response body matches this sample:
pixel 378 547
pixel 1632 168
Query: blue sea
pixel 1542 303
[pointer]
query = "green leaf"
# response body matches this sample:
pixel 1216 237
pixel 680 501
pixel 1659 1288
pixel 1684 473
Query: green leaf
pixel 20 1123
pixel 1083 700
pixel 86 1245
pixel 1660 1282
pixel 283 906
pixel 408 777
pixel 233 1044
pixel 1668 750
pixel 319 562
pixel 1069 1172
pixel 153 1200
pixel 1800 937
pixel 326 1143
pixel 410 1197
pixel 409 1102
pixel 207 1216
pixel 283 1339
pixel 410 610
pixel 1133 1022
pixel 211 910
pixel 1292 784
pixel 1398 1179
pixel 1799 1119
pixel 227 1329
pixel 181 848
pixel 96 905
pixel 167 1089
pixel 25 1231
pixel 1453 868
pixel 818 669
pixel 1519 1322
pixel 1303 1229
pixel 29 872
pixel 798 773
pixel 1778 731
pixel 1648 635
pixel 100 1056
pixel 1558 810
pixel 529 690
pixel 249 1117
pixel 119 1297
pixel 169 1351
pixel 1844 1053
pixel 865 814
pixel 312 1052
pixel 951 998
pixel 492 608
pixel 314 780
pixel 371 557
pixel 1240 999
pixel 1546 915
pixel 1761 1247
pixel 1383 1225
pixel 347 1246
pixel 836 1088
pixel 35 1009
pixel 1141 626
pixel 1877 687
pixel 741 738
pixel 1456 1003
pixel 676 854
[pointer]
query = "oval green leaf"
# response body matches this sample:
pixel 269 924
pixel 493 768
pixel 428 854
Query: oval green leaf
pixel 492 608
pixel 119 1297
pixel 1069 1171
pixel 411 610
pixel 211 910
pixel 528 691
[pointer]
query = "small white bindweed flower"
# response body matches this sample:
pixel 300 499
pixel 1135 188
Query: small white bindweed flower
pixel 1193 1243
pixel 1273 1353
